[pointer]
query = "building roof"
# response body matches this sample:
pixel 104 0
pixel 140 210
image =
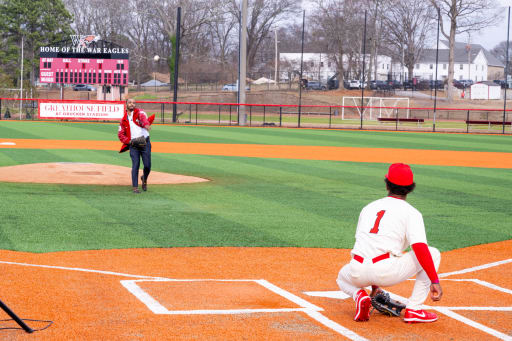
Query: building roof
pixel 491 60
pixel 460 57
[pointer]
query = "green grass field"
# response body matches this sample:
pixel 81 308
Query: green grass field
pixel 249 201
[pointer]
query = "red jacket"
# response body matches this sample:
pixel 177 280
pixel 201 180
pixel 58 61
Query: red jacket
pixel 139 118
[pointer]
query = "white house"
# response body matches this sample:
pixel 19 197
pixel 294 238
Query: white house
pixel 470 62
pixel 319 67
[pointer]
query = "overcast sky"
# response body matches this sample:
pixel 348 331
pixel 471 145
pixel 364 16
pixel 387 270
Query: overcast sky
pixel 488 37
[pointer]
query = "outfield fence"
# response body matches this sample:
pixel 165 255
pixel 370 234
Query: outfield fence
pixel 494 121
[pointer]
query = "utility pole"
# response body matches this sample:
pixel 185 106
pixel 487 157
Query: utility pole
pixel 243 66
pixel 21 77
pixel 437 62
pixel 277 62
pixel 506 73
pixel 468 48
pixel 176 68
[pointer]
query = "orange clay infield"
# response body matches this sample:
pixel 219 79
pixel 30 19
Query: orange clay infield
pixel 246 293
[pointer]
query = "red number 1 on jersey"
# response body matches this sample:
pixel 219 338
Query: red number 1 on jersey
pixel 375 228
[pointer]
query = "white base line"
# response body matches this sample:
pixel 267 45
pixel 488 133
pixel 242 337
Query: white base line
pixel 334 326
pixel 476 268
pixel 476 308
pixel 288 295
pixel 482 283
pixel 474 324
pixel 80 269
pixel 312 313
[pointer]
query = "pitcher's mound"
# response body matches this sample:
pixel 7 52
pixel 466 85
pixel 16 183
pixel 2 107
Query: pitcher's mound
pixel 85 173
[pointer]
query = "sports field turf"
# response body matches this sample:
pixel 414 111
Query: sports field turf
pixel 250 201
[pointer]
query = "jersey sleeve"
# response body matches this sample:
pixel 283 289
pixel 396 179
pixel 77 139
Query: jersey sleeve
pixel 415 232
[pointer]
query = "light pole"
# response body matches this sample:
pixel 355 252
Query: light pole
pixel 156 58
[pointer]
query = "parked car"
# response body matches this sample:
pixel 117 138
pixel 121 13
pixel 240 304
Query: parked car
pixel 439 84
pixel 232 87
pixel 83 87
pixel 462 83
pixel 503 83
pixel 312 85
pixel 394 84
pixel 408 85
pixel 354 84
pixel 380 85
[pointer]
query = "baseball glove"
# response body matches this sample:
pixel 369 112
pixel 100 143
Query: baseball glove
pixel 386 305
pixel 139 142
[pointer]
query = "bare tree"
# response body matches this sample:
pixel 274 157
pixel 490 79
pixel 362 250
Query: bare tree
pixel 336 21
pixel 407 24
pixel 195 16
pixel 500 52
pixel 464 16
pixel 262 16
pixel 223 31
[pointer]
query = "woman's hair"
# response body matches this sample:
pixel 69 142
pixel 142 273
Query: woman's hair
pixel 397 189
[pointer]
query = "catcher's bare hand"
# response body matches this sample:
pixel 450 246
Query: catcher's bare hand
pixel 436 292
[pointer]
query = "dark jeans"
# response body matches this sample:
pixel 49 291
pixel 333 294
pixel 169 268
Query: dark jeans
pixel 136 155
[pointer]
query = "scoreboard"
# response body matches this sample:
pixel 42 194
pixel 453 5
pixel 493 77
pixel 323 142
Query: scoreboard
pixel 86 65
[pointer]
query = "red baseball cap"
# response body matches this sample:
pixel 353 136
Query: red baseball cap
pixel 400 174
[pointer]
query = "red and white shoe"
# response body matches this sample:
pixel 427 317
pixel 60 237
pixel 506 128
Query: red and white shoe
pixel 419 316
pixel 363 305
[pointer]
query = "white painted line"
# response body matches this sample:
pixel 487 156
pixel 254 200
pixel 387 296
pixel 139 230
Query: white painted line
pixel 474 324
pixel 492 286
pixel 334 326
pixel 80 269
pixel 144 297
pixel 476 308
pixel 232 311
pixel 482 283
pixel 288 295
pixel 329 294
pixel 476 268
pixel 7 144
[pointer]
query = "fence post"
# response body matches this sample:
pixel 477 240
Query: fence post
pixel 280 116
pixel 396 119
pixel 264 112
pixel 196 113
pixel 190 113
pixel 330 115
pixel 162 111
pixel 230 114
pixel 0 108
pixel 250 115
pixel 219 114
pixel 467 123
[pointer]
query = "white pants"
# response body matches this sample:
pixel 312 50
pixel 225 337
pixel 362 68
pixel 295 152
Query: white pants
pixel 391 271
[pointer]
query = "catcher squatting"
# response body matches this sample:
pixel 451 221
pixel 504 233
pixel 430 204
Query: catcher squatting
pixel 134 134
pixel 386 227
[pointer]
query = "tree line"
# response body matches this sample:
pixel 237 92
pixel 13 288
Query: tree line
pixel 209 37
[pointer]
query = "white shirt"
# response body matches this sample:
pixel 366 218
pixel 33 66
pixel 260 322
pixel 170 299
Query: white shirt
pixel 135 130
pixel 388 225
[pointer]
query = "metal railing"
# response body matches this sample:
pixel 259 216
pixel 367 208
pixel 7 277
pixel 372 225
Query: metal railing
pixel 493 121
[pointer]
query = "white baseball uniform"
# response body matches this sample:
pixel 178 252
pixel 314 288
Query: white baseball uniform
pixel 386 228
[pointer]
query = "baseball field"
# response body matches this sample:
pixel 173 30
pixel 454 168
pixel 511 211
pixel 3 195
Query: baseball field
pixel 253 251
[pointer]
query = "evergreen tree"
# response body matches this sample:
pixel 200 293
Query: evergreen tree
pixel 40 23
